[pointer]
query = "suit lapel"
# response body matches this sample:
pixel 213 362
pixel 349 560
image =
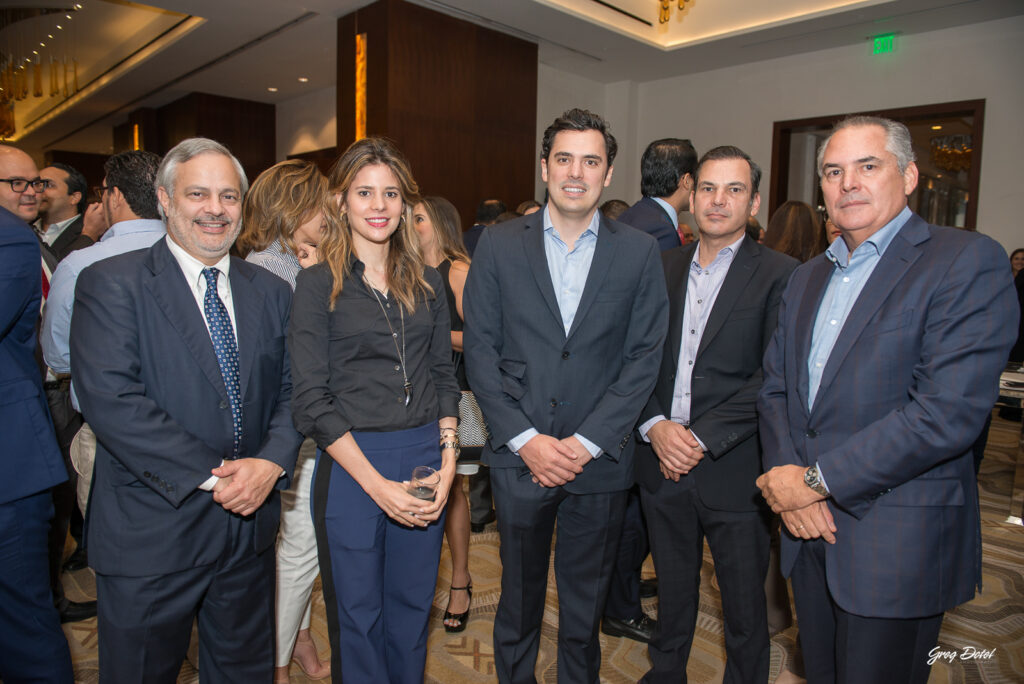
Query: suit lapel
pixel 533 242
pixel 604 253
pixel 809 303
pixel 677 271
pixel 742 268
pixel 248 302
pixel 898 258
pixel 174 296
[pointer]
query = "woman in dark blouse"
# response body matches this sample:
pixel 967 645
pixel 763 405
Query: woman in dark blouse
pixel 374 387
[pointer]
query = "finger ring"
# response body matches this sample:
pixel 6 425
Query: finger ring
pixel 799 527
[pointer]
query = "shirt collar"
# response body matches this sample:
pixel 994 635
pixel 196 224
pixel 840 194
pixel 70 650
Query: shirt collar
pixel 61 225
pixel 729 251
pixel 595 222
pixel 670 210
pixel 838 253
pixel 133 226
pixel 192 267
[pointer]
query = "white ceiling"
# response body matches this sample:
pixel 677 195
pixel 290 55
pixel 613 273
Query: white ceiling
pixel 239 48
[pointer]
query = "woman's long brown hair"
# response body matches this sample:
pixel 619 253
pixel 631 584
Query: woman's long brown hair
pixel 404 263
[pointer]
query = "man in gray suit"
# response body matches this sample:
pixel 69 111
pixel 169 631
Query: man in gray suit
pixel 566 313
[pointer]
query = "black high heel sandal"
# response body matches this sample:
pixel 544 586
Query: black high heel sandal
pixel 463 617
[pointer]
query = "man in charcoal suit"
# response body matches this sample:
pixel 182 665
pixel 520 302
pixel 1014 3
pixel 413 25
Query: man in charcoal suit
pixel 697 476
pixel 565 318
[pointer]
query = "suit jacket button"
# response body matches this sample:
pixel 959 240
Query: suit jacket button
pixel 146 474
pixel 811 434
pixel 554 402
pixel 222 405
pixel 565 355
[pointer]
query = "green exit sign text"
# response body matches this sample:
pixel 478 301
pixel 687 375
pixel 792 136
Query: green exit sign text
pixel 883 44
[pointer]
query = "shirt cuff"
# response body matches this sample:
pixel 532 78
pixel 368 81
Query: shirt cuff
pixel 520 440
pixel 699 441
pixel 208 485
pixel 646 426
pixel 594 450
pixel 821 476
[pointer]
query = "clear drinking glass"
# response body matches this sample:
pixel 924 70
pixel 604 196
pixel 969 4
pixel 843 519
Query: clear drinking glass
pixel 423 483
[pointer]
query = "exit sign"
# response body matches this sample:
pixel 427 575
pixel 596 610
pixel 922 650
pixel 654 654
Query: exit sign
pixel 883 43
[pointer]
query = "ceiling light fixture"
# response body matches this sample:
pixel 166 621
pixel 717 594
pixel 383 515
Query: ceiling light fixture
pixel 936 127
pixel 665 9
pixel 303 79
pixel 272 89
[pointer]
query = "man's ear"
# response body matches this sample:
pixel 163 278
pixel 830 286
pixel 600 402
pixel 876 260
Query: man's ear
pixel 608 176
pixel 164 199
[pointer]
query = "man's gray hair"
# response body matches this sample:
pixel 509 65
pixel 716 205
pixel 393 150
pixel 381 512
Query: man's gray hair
pixel 897 139
pixel 185 151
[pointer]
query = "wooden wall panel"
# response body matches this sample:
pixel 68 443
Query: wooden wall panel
pixel 460 101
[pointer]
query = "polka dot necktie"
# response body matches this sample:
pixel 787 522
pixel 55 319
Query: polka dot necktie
pixel 224 346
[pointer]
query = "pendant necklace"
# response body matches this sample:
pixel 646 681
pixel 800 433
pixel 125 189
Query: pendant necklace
pixel 406 385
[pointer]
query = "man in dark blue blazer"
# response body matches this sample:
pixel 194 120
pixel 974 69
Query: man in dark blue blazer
pixel 666 180
pixel 178 354
pixel 566 313
pixel 878 380
pixel 697 475
pixel 32 645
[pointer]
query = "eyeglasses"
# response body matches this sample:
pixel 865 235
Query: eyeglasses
pixel 20 185
pixel 98 190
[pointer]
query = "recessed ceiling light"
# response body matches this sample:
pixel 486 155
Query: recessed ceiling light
pixel 303 79
pixel 49 35
pixel 60 27
pixel 272 89
pixel 936 127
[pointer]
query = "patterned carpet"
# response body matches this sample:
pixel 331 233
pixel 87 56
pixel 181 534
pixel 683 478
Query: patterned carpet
pixel 993 621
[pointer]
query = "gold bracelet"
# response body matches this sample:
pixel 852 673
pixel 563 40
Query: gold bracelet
pixel 454 444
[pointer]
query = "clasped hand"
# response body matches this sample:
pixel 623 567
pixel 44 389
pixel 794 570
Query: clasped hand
pixel 677 449
pixel 404 508
pixel 244 484
pixel 554 462
pixel 802 509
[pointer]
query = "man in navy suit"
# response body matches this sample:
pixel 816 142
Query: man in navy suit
pixel 178 355
pixel 878 380
pixel 666 180
pixel 566 313
pixel 33 647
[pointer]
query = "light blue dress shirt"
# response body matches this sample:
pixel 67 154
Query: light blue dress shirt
pixel 702 288
pixel 850 273
pixel 670 210
pixel 568 270
pixel 122 237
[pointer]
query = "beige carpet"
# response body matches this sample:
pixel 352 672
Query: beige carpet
pixel 994 620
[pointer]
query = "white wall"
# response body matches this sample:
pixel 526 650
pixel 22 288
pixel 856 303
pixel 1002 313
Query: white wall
pixel 738 105
pixel 307 123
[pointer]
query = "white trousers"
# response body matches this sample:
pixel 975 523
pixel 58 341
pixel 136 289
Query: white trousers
pixel 83 457
pixel 297 565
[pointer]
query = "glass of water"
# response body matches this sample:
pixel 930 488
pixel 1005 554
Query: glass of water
pixel 423 483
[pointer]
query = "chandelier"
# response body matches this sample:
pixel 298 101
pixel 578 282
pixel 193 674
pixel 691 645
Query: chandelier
pixel 665 9
pixel 31 41
pixel 951 152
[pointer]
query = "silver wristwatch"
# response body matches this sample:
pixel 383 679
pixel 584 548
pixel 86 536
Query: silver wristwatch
pixel 812 478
